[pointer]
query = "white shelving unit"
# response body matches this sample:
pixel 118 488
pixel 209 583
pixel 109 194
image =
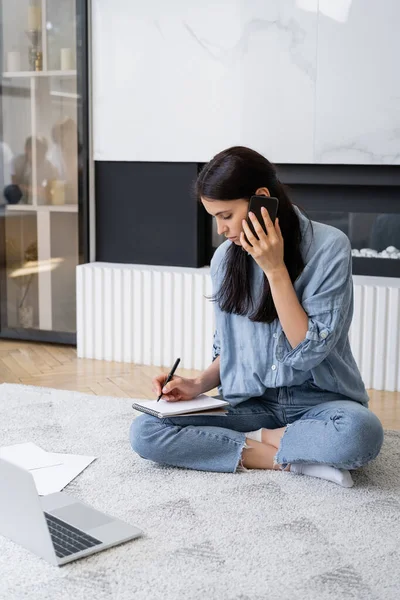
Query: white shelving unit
pixel 40 94
pixel 11 75
pixel 42 208
pixel 43 224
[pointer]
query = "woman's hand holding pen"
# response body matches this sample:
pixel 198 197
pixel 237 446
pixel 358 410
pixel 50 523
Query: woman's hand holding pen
pixel 267 251
pixel 179 388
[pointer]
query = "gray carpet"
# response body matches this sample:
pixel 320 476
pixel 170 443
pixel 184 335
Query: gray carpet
pixel 244 536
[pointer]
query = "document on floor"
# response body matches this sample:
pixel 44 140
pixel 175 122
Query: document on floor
pixel 51 471
pixel 29 456
pixel 55 478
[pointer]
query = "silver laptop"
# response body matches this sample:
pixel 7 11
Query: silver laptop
pixel 56 527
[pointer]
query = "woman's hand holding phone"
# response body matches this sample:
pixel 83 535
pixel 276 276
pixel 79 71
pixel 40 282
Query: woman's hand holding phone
pixel 267 250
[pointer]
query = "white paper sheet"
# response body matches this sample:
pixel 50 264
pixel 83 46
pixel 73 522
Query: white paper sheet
pixel 29 456
pixel 53 479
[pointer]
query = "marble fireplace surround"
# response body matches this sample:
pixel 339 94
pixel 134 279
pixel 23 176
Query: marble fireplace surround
pixel 307 83
pixel 301 81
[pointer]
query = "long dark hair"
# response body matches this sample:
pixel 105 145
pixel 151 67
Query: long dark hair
pixel 236 173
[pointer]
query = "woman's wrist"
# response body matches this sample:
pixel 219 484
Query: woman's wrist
pixel 277 274
pixel 199 386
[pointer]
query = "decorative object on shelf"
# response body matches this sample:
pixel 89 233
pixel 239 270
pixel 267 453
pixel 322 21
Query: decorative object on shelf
pixel 13 61
pixel 34 16
pixel 66 59
pixel 12 193
pixel 57 192
pixel 39 61
pixel 16 265
pixel 25 313
pixel 390 252
pixel 35 53
pixel 34 33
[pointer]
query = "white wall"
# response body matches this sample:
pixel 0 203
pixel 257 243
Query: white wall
pixel 301 81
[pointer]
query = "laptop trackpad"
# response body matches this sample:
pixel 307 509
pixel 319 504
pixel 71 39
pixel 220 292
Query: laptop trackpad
pixel 81 516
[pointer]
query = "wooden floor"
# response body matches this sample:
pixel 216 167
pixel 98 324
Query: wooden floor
pixel 58 367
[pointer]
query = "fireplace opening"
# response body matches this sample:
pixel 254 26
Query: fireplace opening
pixel 362 201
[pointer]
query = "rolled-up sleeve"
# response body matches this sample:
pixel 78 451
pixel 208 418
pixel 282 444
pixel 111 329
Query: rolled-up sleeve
pixel 216 349
pixel 327 302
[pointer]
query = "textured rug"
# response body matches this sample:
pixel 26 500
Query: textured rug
pixel 243 536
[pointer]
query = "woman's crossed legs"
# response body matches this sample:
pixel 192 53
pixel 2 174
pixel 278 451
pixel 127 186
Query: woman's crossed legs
pixel 340 434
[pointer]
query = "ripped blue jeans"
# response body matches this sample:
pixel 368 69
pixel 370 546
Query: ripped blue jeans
pixel 322 427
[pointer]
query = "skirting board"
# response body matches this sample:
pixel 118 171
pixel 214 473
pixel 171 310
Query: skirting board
pixel 150 315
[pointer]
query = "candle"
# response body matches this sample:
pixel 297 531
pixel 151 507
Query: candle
pixel 34 18
pixel 57 192
pixel 67 61
pixel 14 61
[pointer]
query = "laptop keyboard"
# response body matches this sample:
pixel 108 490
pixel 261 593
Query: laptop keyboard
pixel 66 539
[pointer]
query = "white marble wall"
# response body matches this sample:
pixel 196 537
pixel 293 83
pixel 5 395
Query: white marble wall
pixel 357 118
pixel 301 81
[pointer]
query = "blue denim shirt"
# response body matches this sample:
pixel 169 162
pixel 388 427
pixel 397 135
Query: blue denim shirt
pixel 257 356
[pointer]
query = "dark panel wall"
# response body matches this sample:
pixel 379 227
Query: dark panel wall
pixel 146 214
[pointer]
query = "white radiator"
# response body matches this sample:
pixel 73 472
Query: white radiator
pixel 151 315
pixel 145 315
pixel 375 331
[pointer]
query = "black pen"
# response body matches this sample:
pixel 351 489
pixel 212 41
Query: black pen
pixel 170 376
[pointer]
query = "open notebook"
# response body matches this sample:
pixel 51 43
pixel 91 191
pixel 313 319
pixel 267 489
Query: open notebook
pixel 198 406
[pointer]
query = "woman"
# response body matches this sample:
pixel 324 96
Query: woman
pixel 22 171
pixel 282 359
pixel 65 154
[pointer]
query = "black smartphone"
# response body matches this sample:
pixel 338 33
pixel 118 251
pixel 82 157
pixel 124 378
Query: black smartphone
pixel 255 205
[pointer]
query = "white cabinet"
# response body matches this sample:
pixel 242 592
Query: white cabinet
pixel 40 163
